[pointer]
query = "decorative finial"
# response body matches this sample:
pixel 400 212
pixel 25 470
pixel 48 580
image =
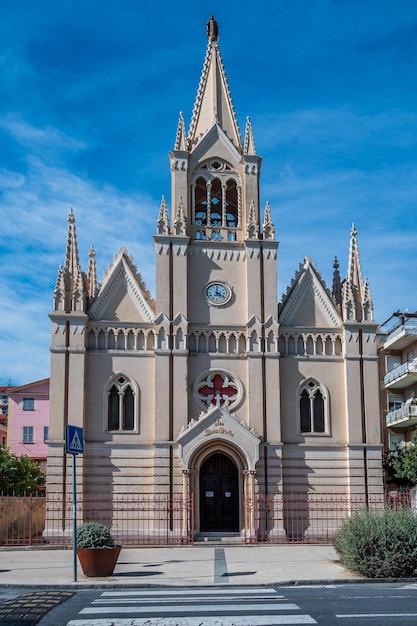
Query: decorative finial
pixel 336 263
pixel 212 29
pixel 353 231
pixel 71 217
pixel 92 252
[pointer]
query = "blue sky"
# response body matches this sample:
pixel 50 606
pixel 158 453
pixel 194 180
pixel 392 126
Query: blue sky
pixel 89 99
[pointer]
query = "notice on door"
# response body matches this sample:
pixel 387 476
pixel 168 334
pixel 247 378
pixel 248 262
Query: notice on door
pixel 209 494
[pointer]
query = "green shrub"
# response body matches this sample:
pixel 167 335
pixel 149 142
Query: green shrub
pixel 94 535
pixel 379 544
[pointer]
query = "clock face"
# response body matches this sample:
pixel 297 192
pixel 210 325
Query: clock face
pixel 218 293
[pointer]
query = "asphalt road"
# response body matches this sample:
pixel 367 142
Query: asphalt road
pixel 382 604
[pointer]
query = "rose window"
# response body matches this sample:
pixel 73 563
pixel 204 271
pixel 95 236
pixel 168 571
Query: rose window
pixel 218 389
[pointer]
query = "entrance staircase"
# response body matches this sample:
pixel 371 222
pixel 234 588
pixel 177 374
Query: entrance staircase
pixel 219 538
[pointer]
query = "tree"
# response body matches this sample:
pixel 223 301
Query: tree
pixel 19 475
pixel 401 464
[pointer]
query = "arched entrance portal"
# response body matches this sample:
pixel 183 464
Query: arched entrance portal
pixel 219 494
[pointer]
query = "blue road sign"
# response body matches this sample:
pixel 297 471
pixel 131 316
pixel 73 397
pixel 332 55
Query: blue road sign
pixel 74 440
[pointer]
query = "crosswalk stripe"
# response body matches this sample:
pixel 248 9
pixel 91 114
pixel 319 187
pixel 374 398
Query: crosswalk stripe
pixel 387 614
pixel 223 620
pixel 186 609
pixel 151 600
pixel 190 592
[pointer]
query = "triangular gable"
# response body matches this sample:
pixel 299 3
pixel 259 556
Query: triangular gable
pixel 121 297
pixel 215 144
pixel 307 302
pixel 217 423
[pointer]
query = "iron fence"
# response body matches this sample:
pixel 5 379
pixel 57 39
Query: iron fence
pixel 137 519
pixel 133 519
pixel 308 517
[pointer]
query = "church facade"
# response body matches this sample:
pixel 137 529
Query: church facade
pixel 212 388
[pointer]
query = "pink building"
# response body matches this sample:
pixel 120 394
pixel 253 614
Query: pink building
pixel 28 420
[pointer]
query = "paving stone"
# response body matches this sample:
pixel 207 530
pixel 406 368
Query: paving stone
pixel 27 609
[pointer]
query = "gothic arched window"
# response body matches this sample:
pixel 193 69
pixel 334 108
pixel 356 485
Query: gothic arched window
pixel 200 202
pixel 122 405
pixel 313 409
pixel 231 204
pixel 216 197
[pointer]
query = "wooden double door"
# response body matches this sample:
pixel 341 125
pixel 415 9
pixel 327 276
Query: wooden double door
pixel 219 494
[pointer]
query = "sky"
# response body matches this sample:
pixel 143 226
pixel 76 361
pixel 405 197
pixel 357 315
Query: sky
pixel 90 94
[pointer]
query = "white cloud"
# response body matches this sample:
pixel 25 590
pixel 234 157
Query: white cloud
pixel 36 138
pixel 34 239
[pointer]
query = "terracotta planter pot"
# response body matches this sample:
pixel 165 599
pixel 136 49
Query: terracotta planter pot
pixel 98 561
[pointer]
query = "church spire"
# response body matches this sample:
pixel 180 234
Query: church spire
pixel 337 284
pixel 70 291
pixel 249 145
pixel 92 273
pixel 163 219
pixel 180 139
pixel 71 257
pixel 213 103
pixel 356 294
pixel 268 229
pixel 180 223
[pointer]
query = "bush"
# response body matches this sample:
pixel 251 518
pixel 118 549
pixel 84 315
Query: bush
pixel 379 544
pixel 19 475
pixel 400 466
pixel 94 535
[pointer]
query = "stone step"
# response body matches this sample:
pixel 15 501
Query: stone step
pixel 219 538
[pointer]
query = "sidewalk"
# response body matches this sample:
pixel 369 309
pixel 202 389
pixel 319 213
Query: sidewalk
pixel 174 566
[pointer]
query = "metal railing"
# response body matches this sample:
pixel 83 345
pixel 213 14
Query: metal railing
pixel 133 519
pixel 309 517
pixel 406 412
pixel 400 370
pixel 163 520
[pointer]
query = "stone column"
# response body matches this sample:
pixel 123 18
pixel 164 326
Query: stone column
pixel 250 505
pixel 186 493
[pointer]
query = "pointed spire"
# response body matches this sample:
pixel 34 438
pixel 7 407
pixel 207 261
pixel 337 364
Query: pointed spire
pixel 367 303
pixel 78 294
pixel 252 227
pixel 354 267
pixel 70 291
pixel 356 295
pixel 71 256
pixel 180 139
pixel 180 223
pixel 59 291
pixel 163 219
pixel 92 273
pixel 337 283
pixel 249 145
pixel 268 229
pixel 213 103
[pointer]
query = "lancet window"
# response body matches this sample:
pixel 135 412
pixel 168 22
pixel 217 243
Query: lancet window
pixel 313 410
pixel 122 404
pixel 215 197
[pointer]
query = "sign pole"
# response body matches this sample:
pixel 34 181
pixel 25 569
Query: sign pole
pixel 74 516
pixel 74 444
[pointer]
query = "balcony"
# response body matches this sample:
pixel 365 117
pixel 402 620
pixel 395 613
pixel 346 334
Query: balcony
pixel 401 376
pixel 402 332
pixel 404 417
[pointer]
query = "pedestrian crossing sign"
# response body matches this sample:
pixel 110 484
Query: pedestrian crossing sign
pixel 74 440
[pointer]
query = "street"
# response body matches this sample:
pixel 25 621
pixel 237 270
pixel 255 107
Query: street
pixel 385 604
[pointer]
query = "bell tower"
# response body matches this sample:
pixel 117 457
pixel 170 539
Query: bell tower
pixel 216 279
